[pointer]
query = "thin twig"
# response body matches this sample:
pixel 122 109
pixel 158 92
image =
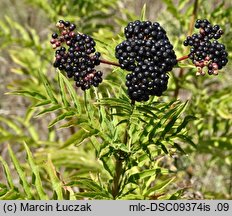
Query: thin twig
pixel 183 58
pixel 109 62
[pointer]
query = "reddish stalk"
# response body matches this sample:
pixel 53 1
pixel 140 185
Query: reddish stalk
pixel 109 63
pixel 183 58
pixel 103 61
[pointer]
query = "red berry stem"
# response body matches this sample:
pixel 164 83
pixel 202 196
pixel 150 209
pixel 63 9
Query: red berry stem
pixel 109 62
pixel 103 61
pixel 183 58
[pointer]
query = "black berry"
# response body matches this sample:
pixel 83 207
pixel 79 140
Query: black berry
pixel 148 54
pixel 75 54
pixel 204 52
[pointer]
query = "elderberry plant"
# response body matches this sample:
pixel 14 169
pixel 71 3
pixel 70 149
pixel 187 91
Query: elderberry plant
pixel 108 146
pixel 147 56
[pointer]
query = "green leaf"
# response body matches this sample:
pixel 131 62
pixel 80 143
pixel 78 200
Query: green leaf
pixel 146 173
pixel 52 108
pixel 172 9
pixel 159 187
pixel 177 146
pixel 57 184
pixel 108 165
pixel 11 194
pixel 7 173
pixel 94 195
pixel 28 93
pixel 10 123
pixel 90 186
pixel 177 195
pixel 71 91
pixel 3 189
pixel 4 131
pixel 35 170
pixel 116 103
pixel 147 110
pixel 163 147
pixel 122 121
pixel 26 124
pixel 79 136
pixel 182 4
pixel 173 118
pixel 14 138
pixel 47 87
pixel 21 173
pixel 20 28
pixel 74 122
pixel 187 139
pixel 62 91
pixel 187 119
pixel 143 13
pixel 45 102
pixel 61 117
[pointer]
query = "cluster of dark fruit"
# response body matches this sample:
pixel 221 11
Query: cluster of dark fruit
pixel 75 54
pixel 205 53
pixel 148 54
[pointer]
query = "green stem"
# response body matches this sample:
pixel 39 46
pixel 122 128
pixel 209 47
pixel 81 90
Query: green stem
pixel 117 177
pixel 86 107
pixel 119 169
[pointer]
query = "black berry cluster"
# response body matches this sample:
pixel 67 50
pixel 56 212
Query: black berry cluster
pixel 75 54
pixel 206 51
pixel 148 54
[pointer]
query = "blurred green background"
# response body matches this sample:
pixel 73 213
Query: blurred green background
pixel 25 30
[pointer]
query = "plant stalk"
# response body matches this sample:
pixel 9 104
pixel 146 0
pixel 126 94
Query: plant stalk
pixel 119 169
pixel 183 58
pixel 103 61
pixel 117 177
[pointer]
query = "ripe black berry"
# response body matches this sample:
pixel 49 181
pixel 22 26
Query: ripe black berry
pixel 75 54
pixel 148 54
pixel 204 52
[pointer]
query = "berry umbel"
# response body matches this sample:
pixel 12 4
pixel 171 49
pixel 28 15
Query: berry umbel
pixel 148 54
pixel 75 54
pixel 206 51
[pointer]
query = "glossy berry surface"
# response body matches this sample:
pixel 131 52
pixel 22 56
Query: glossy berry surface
pixel 75 54
pixel 206 51
pixel 148 55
